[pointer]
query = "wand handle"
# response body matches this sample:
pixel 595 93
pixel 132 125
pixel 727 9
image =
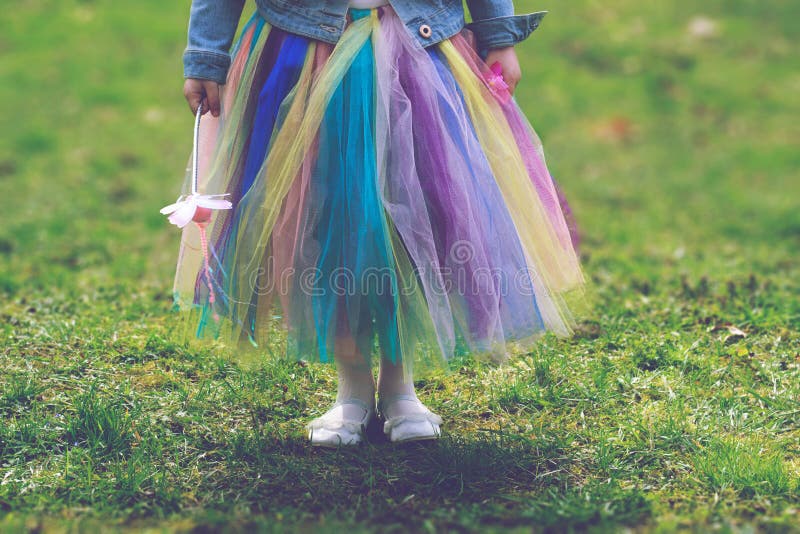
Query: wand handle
pixel 196 148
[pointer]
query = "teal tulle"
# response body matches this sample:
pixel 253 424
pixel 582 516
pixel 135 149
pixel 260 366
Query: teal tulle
pixel 357 285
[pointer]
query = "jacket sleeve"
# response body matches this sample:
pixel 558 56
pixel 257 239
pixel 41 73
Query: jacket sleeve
pixel 495 25
pixel 212 26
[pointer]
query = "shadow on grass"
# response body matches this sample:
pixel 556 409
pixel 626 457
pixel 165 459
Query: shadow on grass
pixel 489 479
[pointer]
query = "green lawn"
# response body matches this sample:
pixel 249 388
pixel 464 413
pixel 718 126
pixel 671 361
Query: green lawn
pixel 673 128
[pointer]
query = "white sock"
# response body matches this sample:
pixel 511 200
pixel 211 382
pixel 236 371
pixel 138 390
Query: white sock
pixel 392 382
pixel 355 382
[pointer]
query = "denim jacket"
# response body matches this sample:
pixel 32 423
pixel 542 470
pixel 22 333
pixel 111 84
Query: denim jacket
pixel 212 25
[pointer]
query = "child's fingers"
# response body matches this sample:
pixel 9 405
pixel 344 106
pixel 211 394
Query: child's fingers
pixel 512 82
pixel 514 76
pixel 193 99
pixel 211 90
pixel 193 92
pixel 194 102
pixel 507 58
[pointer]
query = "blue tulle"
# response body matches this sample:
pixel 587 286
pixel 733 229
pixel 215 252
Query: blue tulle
pixel 281 77
pixel 280 81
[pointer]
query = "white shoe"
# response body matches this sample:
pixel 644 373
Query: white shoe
pixel 333 430
pixel 418 426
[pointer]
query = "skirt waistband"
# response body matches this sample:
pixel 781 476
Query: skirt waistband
pixel 367 4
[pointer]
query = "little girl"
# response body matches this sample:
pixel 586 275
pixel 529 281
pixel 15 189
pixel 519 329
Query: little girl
pixel 389 198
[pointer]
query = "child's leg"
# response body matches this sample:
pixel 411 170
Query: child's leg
pixel 344 424
pixel 406 418
pixel 392 383
pixel 355 378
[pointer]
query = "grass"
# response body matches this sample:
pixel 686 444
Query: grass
pixel 676 406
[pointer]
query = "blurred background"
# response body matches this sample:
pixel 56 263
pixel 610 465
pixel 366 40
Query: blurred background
pixel 671 126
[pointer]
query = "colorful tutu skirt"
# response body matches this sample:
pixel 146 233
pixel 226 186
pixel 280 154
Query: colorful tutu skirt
pixel 388 200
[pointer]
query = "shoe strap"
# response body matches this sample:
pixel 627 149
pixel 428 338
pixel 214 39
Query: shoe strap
pixel 325 419
pixel 384 403
pixel 357 402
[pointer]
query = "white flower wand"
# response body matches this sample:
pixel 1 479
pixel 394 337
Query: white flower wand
pixel 197 208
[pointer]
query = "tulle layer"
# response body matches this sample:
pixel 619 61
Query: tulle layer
pixel 387 201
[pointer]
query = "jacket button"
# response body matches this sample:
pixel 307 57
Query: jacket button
pixel 425 31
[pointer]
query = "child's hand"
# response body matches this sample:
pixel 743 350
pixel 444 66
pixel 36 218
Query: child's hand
pixel 204 91
pixel 508 59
